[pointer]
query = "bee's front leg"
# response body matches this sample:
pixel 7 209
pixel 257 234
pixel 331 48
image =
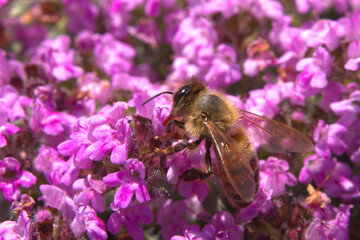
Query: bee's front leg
pixel 197 173
pixel 173 122
pixel 169 127
pixel 178 147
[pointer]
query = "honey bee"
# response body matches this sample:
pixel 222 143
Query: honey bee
pixel 206 114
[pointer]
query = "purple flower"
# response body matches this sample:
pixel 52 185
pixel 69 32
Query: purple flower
pixel 117 15
pixel 16 230
pixel 153 7
pixel 332 93
pixel 71 110
pixel 267 8
pixel 6 128
pixel 131 181
pixel 323 32
pixel 97 136
pixel 193 232
pixel 64 68
pixel 170 218
pixel 81 219
pixel 90 189
pixel 332 136
pixel 58 198
pixel 51 164
pixel 321 164
pixel 113 56
pixel 4 69
pixel 77 144
pixel 225 226
pixel 172 20
pixel 288 38
pixel 11 109
pixel 350 24
pixel 336 228
pixel 82 15
pixel 86 220
pixel 11 178
pixel 227 9
pixel 188 189
pixel 183 161
pixel 304 6
pixel 57 58
pixel 348 109
pixel 193 44
pixel 147 32
pixel 261 204
pixel 274 175
pixel 292 92
pixel 127 82
pixel 13 103
pixel 264 101
pixel 85 41
pixel 116 141
pixel 313 76
pixel 320 230
pixel 340 181
pixel 93 88
pixel 353 53
pixel 29 36
pixel 224 69
pixel 130 219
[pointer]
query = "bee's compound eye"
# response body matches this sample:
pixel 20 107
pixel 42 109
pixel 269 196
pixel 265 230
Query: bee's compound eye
pixel 182 92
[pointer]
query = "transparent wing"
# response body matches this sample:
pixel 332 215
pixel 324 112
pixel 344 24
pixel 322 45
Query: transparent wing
pixel 273 135
pixel 235 160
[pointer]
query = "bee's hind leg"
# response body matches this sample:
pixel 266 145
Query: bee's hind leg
pixel 197 173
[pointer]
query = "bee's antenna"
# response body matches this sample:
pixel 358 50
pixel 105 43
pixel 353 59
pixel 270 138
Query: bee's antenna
pixel 168 92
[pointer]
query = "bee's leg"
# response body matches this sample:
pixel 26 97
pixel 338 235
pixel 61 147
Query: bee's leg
pixel 173 122
pixel 169 127
pixel 208 156
pixel 197 173
pixel 178 147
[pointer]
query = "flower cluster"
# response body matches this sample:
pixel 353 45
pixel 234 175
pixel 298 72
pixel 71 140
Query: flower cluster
pixel 80 154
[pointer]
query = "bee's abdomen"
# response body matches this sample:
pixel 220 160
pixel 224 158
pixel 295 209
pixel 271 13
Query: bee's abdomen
pixel 232 196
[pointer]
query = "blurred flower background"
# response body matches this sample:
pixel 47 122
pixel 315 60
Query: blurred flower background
pixel 77 147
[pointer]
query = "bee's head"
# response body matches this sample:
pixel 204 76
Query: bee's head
pixel 185 97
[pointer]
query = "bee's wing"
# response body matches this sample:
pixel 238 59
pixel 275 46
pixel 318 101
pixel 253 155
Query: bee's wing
pixel 238 164
pixel 273 135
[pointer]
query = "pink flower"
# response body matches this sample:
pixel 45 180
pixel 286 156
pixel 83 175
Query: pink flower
pixel 130 219
pixel 12 177
pixel 130 184
pixel 274 175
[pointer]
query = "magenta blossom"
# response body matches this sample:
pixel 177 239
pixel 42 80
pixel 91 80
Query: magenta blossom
pixel 130 219
pixel 12 177
pixel 225 226
pixel 170 218
pixel 131 181
pixel 16 230
pixel 193 232
pixel 274 175
pixel 51 164
pixel 90 189
pixel 81 219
